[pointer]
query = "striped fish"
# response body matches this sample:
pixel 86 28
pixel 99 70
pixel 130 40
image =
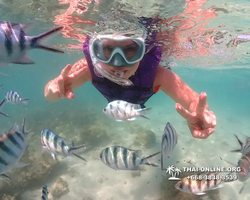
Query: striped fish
pixel 44 193
pixel 199 187
pixel 14 43
pixel 1 105
pixel 121 158
pixel 244 162
pixel 168 142
pixel 124 111
pixel 12 146
pixel 14 98
pixel 57 146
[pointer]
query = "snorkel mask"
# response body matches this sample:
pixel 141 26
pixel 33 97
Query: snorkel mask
pixel 117 51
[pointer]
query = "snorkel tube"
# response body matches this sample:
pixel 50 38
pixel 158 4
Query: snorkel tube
pixel 112 76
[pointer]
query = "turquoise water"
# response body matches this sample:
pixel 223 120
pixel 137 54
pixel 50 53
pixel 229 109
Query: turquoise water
pixel 83 121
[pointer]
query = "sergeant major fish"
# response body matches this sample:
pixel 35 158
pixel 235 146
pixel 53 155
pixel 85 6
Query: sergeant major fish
pixel 121 158
pixel 44 193
pixel 14 98
pixel 244 162
pixel 200 186
pixel 121 111
pixel 14 43
pixel 56 145
pixel 169 141
pixel 12 146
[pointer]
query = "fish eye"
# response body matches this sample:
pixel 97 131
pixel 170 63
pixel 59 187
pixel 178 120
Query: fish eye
pixel 104 109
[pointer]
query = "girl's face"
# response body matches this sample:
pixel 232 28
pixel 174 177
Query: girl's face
pixel 126 71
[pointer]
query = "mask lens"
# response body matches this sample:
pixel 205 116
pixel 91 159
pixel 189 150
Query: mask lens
pixel 130 49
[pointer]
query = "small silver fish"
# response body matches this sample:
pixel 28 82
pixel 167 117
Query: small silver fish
pixel 193 185
pixel 14 98
pixel 169 141
pixel 123 111
pixel 44 193
pixel 12 146
pixel 14 43
pixel 1 105
pixel 122 158
pixel 56 145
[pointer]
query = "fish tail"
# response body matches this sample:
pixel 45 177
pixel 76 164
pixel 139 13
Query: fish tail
pixel 75 148
pixel 241 144
pixel 6 177
pixel 3 73
pixel 162 161
pixel 24 131
pixel 145 160
pixel 25 101
pixel 44 192
pixel 228 162
pixel 39 41
pixel 79 156
pixel 1 104
pixel 141 112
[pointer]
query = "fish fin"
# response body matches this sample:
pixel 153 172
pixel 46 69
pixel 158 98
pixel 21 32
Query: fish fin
pixel 75 148
pixel 26 26
pixel 25 101
pixel 132 119
pixel 138 152
pixel 162 161
pixel 137 168
pixel 40 150
pixel 79 156
pixel 24 131
pixel 240 142
pixel 53 156
pixel 73 143
pixel 144 116
pixel 1 105
pixel 217 187
pixel 200 193
pixel 6 177
pixel 13 129
pixel 229 162
pixel 20 165
pixel 4 114
pixel 242 188
pixel 118 120
pixel 25 59
pixel 136 106
pixel 145 160
pixel 151 155
pixel 2 72
pixel 140 112
pixel 236 151
pixel 39 41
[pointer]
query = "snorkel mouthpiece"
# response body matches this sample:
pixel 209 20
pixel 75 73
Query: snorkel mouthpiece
pixel 116 77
